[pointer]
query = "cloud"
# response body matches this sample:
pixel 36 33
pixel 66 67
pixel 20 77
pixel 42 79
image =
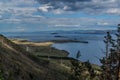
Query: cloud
pixel 20 29
pixel 44 24
pixel 88 6
pixel 28 13
pixel 103 23
pixel 18 8
pixel 44 8
pixel 80 23
pixel 64 25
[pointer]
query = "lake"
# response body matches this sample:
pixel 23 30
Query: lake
pixel 92 51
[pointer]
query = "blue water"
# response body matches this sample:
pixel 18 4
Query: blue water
pixel 92 51
pixel 47 35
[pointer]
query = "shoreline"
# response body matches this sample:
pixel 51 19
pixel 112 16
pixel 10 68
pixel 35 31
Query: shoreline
pixel 44 47
pixel 26 42
pixel 47 48
pixel 45 43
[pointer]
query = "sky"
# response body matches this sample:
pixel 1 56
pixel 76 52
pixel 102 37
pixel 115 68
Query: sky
pixel 45 15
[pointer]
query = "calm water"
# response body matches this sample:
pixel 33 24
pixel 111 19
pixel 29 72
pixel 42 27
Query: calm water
pixel 92 51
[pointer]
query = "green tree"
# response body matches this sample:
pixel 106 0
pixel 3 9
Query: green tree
pixel 77 68
pixel 105 61
pixel 90 70
pixel 111 63
pixel 118 53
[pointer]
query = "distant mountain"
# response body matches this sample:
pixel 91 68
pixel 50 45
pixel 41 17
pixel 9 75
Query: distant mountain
pixel 94 31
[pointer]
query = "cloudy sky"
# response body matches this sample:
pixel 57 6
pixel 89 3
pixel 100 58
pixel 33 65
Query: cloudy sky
pixel 41 15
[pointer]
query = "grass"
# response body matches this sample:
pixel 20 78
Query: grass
pixel 56 63
pixel 25 42
pixel 1 73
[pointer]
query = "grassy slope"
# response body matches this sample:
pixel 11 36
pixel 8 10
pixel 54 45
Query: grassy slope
pixel 17 64
pixel 55 56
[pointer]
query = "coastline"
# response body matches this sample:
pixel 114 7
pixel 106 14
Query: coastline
pixel 26 42
pixel 46 46
pixel 41 48
pixel 45 51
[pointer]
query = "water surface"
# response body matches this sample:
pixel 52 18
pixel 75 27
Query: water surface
pixel 93 51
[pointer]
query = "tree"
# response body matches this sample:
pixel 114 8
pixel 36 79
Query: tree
pixel 77 68
pixel 78 55
pixel 90 70
pixel 111 63
pixel 118 53
pixel 105 61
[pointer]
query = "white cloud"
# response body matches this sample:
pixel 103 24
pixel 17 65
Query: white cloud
pixel 88 6
pixel 81 23
pixel 103 23
pixel 16 8
pixel 113 11
pixel 66 25
pixel 21 29
pixel 27 11
pixel 44 8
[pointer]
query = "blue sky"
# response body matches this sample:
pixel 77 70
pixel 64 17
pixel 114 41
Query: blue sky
pixel 42 15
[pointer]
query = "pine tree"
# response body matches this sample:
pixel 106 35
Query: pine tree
pixel 118 53
pixel 111 63
pixel 106 61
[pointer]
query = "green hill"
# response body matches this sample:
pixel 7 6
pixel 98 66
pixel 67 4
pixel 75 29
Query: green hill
pixel 18 64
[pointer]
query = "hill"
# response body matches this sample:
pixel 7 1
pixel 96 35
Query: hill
pixel 18 64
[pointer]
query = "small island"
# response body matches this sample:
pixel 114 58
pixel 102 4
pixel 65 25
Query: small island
pixel 67 41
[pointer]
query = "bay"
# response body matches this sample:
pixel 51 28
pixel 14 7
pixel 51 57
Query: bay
pixel 92 51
